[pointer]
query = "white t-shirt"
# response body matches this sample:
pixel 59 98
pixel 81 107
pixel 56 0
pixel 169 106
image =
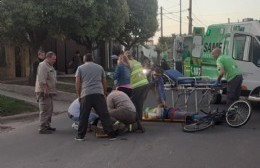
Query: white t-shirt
pixel 74 110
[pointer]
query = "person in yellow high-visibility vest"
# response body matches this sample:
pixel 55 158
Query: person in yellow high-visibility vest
pixel 140 88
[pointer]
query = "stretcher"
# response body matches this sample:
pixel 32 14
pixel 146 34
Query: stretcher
pixel 186 87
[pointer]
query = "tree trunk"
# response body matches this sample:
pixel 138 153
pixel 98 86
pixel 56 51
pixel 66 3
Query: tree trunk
pixel 9 70
pixel 25 61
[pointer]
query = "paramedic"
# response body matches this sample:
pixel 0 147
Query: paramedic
pixel 227 68
pixel 140 86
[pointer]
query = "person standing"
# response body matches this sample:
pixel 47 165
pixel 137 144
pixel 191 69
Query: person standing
pixel 226 67
pixel 164 65
pixel 91 88
pixel 140 86
pixel 45 89
pixel 41 57
pixel 122 75
pixel 75 62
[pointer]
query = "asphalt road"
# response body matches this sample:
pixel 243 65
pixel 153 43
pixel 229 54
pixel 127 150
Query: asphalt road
pixel 163 145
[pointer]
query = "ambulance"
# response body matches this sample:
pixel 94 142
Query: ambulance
pixel 239 40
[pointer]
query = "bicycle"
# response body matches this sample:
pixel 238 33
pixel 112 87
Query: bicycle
pixel 236 116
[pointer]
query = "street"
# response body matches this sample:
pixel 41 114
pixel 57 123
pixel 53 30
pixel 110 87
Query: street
pixel 163 145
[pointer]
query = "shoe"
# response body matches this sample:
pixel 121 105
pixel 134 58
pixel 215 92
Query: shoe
pixel 75 126
pixel 45 131
pixel 118 126
pixel 130 128
pixel 79 138
pixel 112 136
pixel 140 127
pixel 51 128
pixel 188 120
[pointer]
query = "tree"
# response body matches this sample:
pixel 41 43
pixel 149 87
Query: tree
pixel 165 44
pixel 142 23
pixel 22 24
pixel 87 22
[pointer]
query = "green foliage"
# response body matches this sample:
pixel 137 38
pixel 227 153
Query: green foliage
pixel 88 22
pixel 22 22
pixel 10 106
pixel 85 21
pixel 166 43
pixel 103 20
pixel 142 23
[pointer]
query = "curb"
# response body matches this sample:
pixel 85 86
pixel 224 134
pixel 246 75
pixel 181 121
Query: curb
pixel 24 116
pixel 28 91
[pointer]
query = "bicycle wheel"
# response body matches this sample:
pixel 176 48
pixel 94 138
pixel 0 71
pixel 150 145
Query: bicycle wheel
pixel 238 113
pixel 198 125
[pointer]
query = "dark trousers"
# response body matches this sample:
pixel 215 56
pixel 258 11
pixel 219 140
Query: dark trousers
pixel 234 89
pixel 98 102
pixel 127 91
pixel 138 97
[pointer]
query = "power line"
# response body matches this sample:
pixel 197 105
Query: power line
pixel 172 12
pixel 171 18
pixel 199 20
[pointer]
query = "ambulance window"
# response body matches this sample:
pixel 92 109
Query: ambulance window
pixel 226 46
pixel 241 47
pixel 256 53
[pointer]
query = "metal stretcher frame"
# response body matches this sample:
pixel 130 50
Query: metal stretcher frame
pixel 186 86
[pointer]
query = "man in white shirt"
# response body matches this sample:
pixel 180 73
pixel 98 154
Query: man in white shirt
pixel 74 111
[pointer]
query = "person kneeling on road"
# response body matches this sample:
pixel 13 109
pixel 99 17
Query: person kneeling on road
pixel 121 110
pixel 73 114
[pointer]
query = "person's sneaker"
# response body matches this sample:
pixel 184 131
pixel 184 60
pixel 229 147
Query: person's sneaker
pixel 130 128
pixel 45 131
pixel 112 136
pixel 75 126
pixel 118 126
pixel 140 127
pixel 79 138
pixel 51 128
pixel 188 120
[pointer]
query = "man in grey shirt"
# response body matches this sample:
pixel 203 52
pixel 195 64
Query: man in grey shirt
pixel 90 88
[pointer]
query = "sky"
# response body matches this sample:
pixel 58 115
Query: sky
pixel 204 13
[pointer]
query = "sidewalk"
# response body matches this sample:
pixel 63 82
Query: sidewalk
pixel 26 93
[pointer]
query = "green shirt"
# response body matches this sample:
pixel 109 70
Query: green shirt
pixel 229 66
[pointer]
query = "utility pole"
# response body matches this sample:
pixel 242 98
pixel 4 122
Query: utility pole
pixel 180 17
pixel 190 18
pixel 161 23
